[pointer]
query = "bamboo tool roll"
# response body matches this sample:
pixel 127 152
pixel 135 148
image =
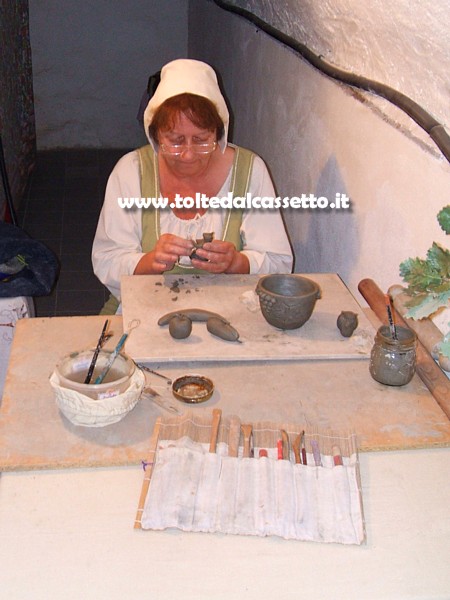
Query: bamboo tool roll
pixel 426 368
pixel 148 467
pixel 254 493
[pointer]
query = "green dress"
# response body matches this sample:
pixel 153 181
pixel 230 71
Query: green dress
pixel 240 179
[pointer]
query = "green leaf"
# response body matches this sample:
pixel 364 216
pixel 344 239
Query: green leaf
pixel 419 274
pixel 439 260
pixel 416 299
pixel 444 219
pixel 430 275
pixel 444 348
pixel 430 304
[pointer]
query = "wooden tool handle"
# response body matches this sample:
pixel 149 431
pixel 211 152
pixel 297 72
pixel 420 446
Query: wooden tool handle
pixel 426 368
pixel 217 414
pixel 234 435
pixel 296 448
pixel 247 433
pixel 286 445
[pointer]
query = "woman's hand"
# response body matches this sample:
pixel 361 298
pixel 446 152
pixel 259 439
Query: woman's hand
pixel 164 255
pixel 222 257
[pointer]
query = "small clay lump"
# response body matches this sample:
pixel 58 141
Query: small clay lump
pixel 347 322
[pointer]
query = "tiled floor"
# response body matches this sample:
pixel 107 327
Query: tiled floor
pixel 61 208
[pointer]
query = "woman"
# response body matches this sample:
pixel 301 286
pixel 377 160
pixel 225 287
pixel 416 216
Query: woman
pixel 186 122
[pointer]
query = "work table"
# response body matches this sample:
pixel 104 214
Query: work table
pixel 67 528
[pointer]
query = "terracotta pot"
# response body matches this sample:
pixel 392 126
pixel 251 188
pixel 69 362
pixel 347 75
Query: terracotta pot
pixel 287 301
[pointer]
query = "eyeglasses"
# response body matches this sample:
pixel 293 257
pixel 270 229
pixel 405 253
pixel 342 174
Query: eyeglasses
pixel 178 149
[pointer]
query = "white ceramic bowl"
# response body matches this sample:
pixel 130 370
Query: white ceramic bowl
pixel 73 368
pixel 91 405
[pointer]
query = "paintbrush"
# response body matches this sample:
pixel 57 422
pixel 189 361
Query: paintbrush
pixel 390 317
pixel 304 458
pixel 101 341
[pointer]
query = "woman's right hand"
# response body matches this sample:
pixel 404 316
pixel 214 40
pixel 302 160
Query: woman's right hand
pixel 164 255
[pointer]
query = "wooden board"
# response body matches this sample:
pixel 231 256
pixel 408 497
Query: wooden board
pixel 149 297
pixel 323 393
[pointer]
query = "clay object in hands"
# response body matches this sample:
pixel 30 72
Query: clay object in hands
pixel 207 237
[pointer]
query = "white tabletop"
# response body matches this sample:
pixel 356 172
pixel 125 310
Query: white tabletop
pixel 69 534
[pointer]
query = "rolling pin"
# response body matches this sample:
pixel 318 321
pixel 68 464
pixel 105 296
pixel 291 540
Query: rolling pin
pixel 426 368
pixel 426 330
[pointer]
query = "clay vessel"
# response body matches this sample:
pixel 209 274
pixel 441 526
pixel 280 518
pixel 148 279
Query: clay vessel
pixel 393 360
pixel 287 301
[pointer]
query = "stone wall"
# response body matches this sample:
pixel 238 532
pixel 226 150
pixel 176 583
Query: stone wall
pixel 91 63
pixel 319 137
pixel 16 98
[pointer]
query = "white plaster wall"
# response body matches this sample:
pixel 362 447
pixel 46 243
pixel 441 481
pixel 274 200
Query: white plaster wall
pixel 317 138
pixel 402 43
pixel 91 63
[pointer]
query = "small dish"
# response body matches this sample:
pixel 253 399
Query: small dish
pixel 192 389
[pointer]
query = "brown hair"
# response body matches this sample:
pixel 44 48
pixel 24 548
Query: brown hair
pixel 199 110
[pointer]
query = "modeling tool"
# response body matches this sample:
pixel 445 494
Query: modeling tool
pixel 111 359
pixel 234 433
pixel 160 400
pixel 132 325
pixel 285 445
pixel 316 453
pixel 280 449
pixel 337 456
pixel 153 372
pixel 216 416
pixel 296 448
pixel 304 458
pixel 247 432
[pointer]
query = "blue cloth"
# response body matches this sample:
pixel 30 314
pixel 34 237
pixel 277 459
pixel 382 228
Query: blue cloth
pixel 39 275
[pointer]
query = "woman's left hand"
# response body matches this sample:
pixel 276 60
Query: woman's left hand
pixel 222 257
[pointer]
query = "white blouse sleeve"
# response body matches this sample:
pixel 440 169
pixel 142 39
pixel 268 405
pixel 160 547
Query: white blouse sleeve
pixel 266 243
pixel 117 244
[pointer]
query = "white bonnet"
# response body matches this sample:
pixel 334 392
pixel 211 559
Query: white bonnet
pixel 188 76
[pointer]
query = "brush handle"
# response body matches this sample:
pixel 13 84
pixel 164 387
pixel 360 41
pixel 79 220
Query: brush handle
pixel 296 448
pixel 390 317
pixel 247 434
pixel 217 413
pixel 285 445
pixel 234 434
pixel 96 353
pixel 112 358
